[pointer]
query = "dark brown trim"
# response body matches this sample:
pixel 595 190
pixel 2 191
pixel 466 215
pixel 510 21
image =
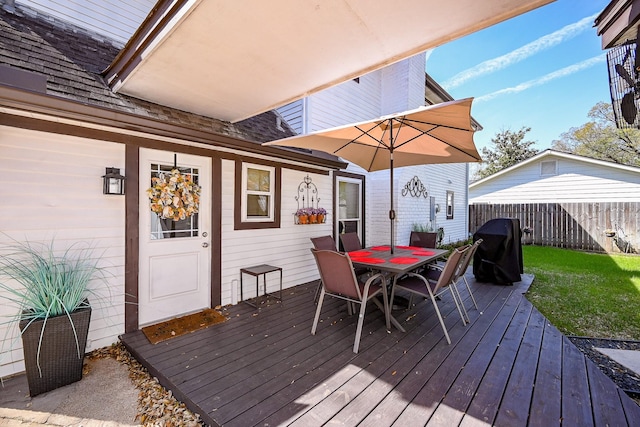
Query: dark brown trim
pixel 363 181
pixel 132 238
pixel 63 108
pixel 237 214
pixel 102 135
pixel 132 235
pixel 155 22
pixel 216 232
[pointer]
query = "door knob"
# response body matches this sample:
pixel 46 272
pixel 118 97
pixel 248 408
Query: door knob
pixel 205 245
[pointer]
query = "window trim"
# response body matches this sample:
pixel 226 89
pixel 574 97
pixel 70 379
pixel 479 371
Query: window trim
pixel 240 180
pixel 450 207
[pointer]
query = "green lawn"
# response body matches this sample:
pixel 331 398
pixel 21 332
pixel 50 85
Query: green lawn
pixel 586 294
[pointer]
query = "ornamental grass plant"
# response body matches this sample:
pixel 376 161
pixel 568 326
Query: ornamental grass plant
pixel 43 283
pixel 51 285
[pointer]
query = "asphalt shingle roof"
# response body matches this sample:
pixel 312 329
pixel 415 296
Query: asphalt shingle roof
pixel 72 59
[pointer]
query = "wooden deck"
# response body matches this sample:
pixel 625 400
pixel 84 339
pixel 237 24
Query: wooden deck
pixel 509 367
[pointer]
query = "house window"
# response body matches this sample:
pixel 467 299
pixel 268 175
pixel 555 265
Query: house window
pixel 257 196
pixel 549 167
pixel 449 204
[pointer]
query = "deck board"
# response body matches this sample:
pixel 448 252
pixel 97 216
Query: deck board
pixel 522 378
pixel 484 405
pixel 509 366
pixel 576 397
pixel 545 405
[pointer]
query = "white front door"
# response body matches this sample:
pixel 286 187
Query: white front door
pixel 175 260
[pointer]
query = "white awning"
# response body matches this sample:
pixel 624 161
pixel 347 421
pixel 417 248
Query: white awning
pixel 234 59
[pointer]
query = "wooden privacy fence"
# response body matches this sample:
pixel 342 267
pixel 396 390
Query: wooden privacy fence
pixel 599 227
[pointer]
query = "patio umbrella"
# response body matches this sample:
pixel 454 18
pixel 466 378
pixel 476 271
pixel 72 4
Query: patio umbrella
pixel 440 133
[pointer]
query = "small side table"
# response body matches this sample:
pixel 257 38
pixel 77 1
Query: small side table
pixel 257 271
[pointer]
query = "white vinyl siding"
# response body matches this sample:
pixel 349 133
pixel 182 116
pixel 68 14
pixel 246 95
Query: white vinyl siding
pixel 52 189
pixel 293 114
pixel 575 181
pixel 437 179
pixel 395 88
pixel 287 247
pixel 345 103
pixel 115 19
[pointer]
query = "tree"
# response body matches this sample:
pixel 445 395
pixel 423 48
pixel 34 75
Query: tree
pixel 601 139
pixel 510 148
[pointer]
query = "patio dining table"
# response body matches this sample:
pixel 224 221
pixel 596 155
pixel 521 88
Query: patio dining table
pixel 404 260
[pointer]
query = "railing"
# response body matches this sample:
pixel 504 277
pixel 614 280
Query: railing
pixel 599 227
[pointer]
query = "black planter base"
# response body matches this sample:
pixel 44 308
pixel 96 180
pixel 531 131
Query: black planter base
pixel 59 361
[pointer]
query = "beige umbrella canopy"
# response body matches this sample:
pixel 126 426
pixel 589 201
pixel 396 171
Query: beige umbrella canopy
pixel 440 133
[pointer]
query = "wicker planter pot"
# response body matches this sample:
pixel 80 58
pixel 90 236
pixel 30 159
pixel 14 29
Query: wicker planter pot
pixel 59 361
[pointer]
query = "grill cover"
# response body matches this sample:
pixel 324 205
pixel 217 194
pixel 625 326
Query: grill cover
pixel 499 256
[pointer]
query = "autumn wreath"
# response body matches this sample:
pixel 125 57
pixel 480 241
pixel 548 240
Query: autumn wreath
pixel 174 196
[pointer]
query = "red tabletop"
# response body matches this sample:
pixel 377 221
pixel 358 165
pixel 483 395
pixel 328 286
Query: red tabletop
pixel 368 260
pixel 360 254
pixel 404 260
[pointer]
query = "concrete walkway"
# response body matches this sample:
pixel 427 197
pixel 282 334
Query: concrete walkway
pixel 104 397
pixel 630 359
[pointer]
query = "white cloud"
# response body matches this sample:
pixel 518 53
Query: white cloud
pixel 427 54
pixel 522 53
pixel 563 72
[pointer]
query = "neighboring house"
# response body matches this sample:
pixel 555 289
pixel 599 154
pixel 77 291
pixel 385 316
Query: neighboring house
pixel 439 191
pixel 564 200
pixel 553 176
pixel 74 101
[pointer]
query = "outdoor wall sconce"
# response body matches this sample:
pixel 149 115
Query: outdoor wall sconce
pixel 113 182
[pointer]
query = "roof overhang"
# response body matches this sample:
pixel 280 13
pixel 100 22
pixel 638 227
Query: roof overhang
pixel 232 60
pixel 618 22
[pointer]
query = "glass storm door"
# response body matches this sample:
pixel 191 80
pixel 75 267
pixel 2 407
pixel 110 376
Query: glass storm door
pixel 349 207
pixel 175 259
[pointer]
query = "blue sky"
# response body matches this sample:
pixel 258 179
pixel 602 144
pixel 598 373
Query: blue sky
pixel 544 69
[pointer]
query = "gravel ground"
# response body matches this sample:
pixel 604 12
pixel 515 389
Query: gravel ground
pixel 626 379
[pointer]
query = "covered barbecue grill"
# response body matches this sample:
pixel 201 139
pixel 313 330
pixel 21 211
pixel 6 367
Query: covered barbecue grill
pixel 499 256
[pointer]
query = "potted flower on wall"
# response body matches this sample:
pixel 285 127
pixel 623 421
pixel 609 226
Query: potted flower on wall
pixel 321 213
pixel 303 215
pixel 50 291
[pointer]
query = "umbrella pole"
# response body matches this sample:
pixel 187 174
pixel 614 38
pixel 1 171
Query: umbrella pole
pixel 392 213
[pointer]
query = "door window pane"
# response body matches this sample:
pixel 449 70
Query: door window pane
pixel 168 228
pixel 349 200
pixel 349 208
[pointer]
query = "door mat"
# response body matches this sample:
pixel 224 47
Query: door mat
pixel 182 325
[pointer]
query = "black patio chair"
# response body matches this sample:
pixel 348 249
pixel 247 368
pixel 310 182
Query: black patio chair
pixel 423 239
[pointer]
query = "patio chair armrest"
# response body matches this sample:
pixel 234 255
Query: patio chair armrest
pixel 373 278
